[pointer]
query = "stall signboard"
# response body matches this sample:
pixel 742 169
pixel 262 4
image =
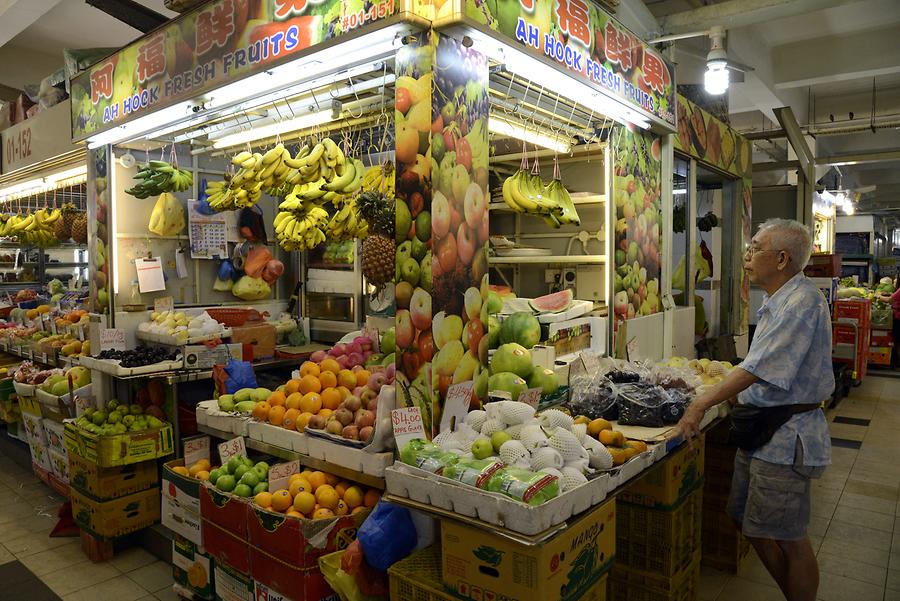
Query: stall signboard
pixel 36 139
pixel 584 40
pixel 711 141
pixel 206 48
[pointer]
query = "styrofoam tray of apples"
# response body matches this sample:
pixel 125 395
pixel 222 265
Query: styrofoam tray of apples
pixel 113 368
pixel 424 487
pixel 170 340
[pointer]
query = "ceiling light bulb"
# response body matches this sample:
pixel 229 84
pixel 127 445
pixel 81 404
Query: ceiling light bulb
pixel 715 80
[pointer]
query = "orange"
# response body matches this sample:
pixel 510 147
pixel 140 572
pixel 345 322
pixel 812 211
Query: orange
pixel 331 479
pixel 316 479
pixel 263 499
pixel 341 487
pixel 293 400
pixel 341 508
pixel 359 509
pixel 327 379
pixel 310 384
pixel 295 476
pixel 302 421
pixel 618 455
pixel 595 427
pixel 276 398
pixel 309 369
pixel 299 485
pixel 326 413
pixel 202 475
pixel 305 502
pixel 322 514
pixel 310 403
pixel 612 438
pixel 362 377
pixel 290 419
pixel 294 514
pixel 276 415
pixel 639 445
pixel 195 469
pixel 326 496
pixel 331 398
pixel 281 500
pixel 330 365
pixel 347 378
pixel 372 497
pixel 261 411
pixel 354 496
pixel 292 386
pixel 205 463
pixel 345 392
pixel 180 469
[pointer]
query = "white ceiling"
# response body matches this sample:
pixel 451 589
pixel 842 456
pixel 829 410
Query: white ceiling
pixel 847 18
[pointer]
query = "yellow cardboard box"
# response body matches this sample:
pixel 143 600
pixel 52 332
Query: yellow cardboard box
pixel 103 483
pixel 673 479
pixel 111 519
pixel 568 566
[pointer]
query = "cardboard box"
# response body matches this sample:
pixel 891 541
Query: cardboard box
pixel 672 480
pixel 40 455
pixel 200 356
pixel 480 565
pixel 34 429
pixel 225 510
pixel 232 584
pixel 260 337
pixel 59 464
pixel 225 546
pixel 56 435
pixel 183 489
pixel 300 542
pixel 181 520
pixel 111 519
pixel 193 569
pixel 110 482
pixel 119 449
pixel 289 583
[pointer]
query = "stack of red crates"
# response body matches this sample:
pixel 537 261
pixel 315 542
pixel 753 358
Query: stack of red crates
pixel 848 313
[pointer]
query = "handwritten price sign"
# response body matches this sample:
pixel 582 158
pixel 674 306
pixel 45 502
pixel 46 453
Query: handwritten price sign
pixel 532 396
pixel 195 449
pixel 457 404
pixel 112 339
pixel 407 422
pixel 232 448
pixel 280 473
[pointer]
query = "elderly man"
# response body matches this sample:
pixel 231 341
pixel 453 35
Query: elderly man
pixel 782 434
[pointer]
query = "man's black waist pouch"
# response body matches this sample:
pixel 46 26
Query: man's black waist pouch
pixel 752 427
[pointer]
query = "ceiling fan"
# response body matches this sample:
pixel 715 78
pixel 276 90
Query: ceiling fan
pixel 718 64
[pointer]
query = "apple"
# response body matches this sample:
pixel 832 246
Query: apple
pixel 426 345
pixel 334 426
pixel 482 448
pixel 376 381
pixel 403 293
pixel 474 206
pixel 365 434
pixel 318 356
pixel 402 220
pixel 372 404
pixel 459 182
pixel 423 226
pixel 450 328
pixel 465 244
pixel 368 394
pixel 472 303
pixel 447 254
pixel 474 332
pixel 344 362
pixel 355 359
pixel 402 100
pixel 343 415
pixel 404 328
pixel 483 348
pixel 465 371
pixel 316 422
pixel 420 309
pixel 365 418
pixel 447 359
pixel 419 249
pixel 425 273
pixel 409 271
pixel 440 214
pixel 404 251
pixel 351 432
pixel 484 231
pixel 406 142
pixel 356 392
pixel 498 438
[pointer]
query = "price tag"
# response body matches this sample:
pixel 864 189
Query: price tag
pixel 83 403
pixel 232 448
pixel 195 449
pixel 407 422
pixel 532 396
pixel 164 303
pixel 456 406
pixel 280 473
pixel 53 329
pixel 112 339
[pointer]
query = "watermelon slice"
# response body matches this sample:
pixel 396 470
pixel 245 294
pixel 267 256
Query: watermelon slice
pixel 552 303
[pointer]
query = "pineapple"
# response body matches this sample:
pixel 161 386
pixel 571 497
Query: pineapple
pixel 62 229
pixel 79 228
pixel 379 248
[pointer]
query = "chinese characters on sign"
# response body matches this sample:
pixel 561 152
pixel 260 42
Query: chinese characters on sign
pixel 215 26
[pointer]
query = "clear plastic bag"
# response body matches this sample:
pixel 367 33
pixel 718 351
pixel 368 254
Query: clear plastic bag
pixel 645 404
pixel 592 395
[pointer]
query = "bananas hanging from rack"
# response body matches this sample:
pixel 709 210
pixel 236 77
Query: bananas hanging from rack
pixel 525 193
pixel 379 178
pixel 347 223
pixel 157 177
pixel 33 229
pixel 301 229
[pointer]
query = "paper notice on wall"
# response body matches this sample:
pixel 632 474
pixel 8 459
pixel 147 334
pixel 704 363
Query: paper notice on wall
pixel 208 233
pixel 150 274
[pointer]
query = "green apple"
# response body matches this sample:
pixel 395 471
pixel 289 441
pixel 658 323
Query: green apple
pixel 402 220
pixel 409 271
pixel 240 470
pixel 233 464
pixel 498 438
pixel 261 487
pixel 225 482
pixel 250 478
pixel 243 490
pixel 262 468
pixel 482 448
pixel 214 476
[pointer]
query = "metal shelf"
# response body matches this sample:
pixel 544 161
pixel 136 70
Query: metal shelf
pixel 66 265
pixel 549 259
pixel 306 460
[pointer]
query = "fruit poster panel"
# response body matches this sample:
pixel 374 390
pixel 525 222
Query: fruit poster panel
pixel 97 218
pixel 583 39
pixel 442 179
pixel 207 48
pixel 711 141
pixel 637 189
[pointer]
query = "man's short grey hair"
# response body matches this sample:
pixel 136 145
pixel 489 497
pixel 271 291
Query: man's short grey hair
pixel 791 236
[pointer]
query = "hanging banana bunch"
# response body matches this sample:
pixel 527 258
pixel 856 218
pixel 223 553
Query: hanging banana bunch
pixel 157 177
pixel 34 229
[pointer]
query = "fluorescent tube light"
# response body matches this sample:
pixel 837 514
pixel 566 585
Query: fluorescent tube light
pixel 499 125
pixel 141 125
pixel 273 129
pixel 679 191
pixel 31 184
pixel 113 214
pixel 80 171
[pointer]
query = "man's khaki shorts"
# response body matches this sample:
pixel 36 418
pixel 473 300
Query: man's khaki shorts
pixel 771 500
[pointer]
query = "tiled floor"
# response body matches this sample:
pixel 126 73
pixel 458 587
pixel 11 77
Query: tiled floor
pixel 855 525
pixel 29 557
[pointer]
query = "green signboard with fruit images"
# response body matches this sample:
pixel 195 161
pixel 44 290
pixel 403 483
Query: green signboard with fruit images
pixel 637 190
pixel 584 40
pixel 205 49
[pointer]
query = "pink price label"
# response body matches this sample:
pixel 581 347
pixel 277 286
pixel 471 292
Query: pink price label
pixel 236 447
pixel 195 449
pixel 280 473
pixel 407 423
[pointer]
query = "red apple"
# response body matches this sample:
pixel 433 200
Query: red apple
pixel 455 217
pixel 404 328
pixel 344 416
pixel 465 244
pixel 316 422
pixel 474 205
pixel 365 418
pixel 474 332
pixel 358 390
pixel 376 381
pixel 447 257
pixel 352 404
pixel 351 432
pixel 372 405
pixel 440 215
pixel 402 100
pixel 365 434
pixel 368 395
pixel 426 345
pixel 334 426
pixel 420 309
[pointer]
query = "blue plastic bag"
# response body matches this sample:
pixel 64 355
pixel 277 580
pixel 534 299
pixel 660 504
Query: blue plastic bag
pixel 240 375
pixel 387 536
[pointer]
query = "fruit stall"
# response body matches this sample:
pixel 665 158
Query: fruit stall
pixel 347 253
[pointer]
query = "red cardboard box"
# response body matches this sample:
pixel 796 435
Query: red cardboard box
pixel 297 584
pixel 853 311
pixel 226 546
pixel 300 542
pixel 225 510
